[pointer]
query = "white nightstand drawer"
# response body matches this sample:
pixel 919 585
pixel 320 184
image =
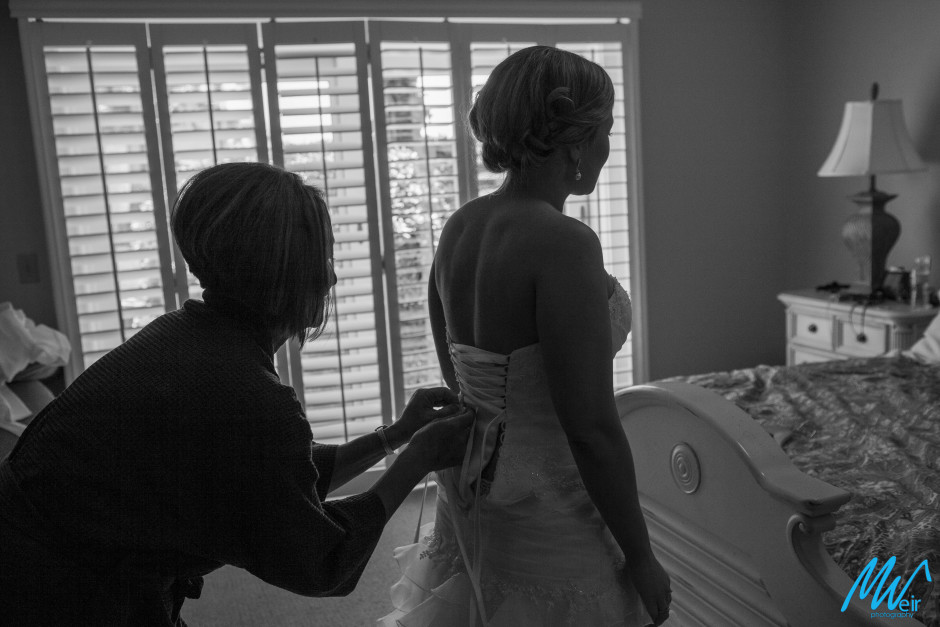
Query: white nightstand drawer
pixel 866 340
pixel 802 356
pixel 811 330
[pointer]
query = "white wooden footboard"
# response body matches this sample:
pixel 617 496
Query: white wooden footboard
pixel 734 522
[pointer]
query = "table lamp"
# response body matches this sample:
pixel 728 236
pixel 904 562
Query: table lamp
pixel 872 140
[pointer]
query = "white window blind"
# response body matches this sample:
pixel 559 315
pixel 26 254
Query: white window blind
pixel 380 128
pixel 101 118
pixel 418 158
pixel 321 128
pixel 209 99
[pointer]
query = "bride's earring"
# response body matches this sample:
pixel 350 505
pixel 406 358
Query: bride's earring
pixel 577 171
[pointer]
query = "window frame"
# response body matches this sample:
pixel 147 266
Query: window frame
pixel 459 33
pixel 401 9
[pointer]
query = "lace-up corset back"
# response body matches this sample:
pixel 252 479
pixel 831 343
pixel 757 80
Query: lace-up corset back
pixel 484 376
pixel 487 376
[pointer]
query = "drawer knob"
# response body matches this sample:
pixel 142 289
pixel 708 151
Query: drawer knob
pixel 813 328
pixel 862 338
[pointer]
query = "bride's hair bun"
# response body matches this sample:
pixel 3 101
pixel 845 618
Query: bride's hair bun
pixel 559 103
pixel 537 100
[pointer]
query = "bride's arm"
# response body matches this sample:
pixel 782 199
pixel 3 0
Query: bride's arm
pixel 574 333
pixel 438 329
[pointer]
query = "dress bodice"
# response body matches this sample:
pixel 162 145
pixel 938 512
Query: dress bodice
pixel 483 375
pixel 501 386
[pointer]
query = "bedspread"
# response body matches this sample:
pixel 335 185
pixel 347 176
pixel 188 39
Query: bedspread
pixel 868 426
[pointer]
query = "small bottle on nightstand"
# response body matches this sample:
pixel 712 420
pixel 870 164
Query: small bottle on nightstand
pixel 920 275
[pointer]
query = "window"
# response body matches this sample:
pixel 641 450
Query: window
pixel 370 111
pixel 321 127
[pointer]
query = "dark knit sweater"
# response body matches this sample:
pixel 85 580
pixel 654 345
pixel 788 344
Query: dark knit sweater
pixel 175 453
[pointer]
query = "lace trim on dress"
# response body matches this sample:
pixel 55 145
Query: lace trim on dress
pixel 621 310
pixel 525 468
pixel 572 597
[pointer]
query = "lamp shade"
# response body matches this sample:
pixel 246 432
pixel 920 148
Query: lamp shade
pixel 872 140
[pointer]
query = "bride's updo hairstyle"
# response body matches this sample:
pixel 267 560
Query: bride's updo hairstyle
pixel 535 101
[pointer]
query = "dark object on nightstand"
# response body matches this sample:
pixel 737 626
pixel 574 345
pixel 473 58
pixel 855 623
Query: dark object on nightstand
pixel 861 298
pixel 833 287
pixel 897 284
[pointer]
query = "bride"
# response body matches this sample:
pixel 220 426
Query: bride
pixel 541 525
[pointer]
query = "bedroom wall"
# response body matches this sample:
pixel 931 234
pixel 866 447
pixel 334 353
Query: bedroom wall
pixel 21 224
pixel 713 117
pixel 837 49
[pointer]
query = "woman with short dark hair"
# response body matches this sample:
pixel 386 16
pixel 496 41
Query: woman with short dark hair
pixel 541 525
pixel 180 450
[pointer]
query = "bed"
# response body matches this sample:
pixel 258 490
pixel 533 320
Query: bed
pixel 767 490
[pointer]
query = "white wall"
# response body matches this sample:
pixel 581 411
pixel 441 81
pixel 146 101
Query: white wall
pixel 741 103
pixel 21 224
pixel 712 89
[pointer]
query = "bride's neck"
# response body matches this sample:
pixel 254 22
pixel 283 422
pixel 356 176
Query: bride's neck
pixel 538 184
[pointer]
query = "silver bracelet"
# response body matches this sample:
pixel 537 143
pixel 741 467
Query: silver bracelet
pixel 380 430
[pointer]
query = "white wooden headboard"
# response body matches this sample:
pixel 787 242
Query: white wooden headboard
pixel 734 522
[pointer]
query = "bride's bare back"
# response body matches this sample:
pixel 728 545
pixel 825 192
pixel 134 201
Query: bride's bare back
pixel 485 271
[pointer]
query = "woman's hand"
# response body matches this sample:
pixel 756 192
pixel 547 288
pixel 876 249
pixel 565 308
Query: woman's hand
pixel 426 405
pixel 439 443
pixel 652 583
pixel 442 443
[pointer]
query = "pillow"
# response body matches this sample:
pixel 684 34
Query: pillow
pixel 927 348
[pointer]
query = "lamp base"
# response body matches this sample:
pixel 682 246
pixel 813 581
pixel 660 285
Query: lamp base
pixel 869 235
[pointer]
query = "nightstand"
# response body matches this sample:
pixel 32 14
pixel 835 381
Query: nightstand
pixel 821 328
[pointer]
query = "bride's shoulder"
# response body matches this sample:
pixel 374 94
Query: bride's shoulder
pixel 539 221
pixel 560 233
pixel 535 228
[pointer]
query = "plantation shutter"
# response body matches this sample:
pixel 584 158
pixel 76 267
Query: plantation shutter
pixel 209 99
pixel 321 128
pixel 419 162
pixel 101 149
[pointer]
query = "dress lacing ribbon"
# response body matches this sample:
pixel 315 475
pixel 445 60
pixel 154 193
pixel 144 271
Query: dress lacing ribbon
pixel 482 378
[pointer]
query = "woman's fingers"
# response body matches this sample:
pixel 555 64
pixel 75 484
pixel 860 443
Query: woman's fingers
pixel 435 397
pixel 427 405
pixel 443 441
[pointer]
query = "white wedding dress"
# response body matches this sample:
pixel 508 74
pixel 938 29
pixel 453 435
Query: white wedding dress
pixel 539 553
